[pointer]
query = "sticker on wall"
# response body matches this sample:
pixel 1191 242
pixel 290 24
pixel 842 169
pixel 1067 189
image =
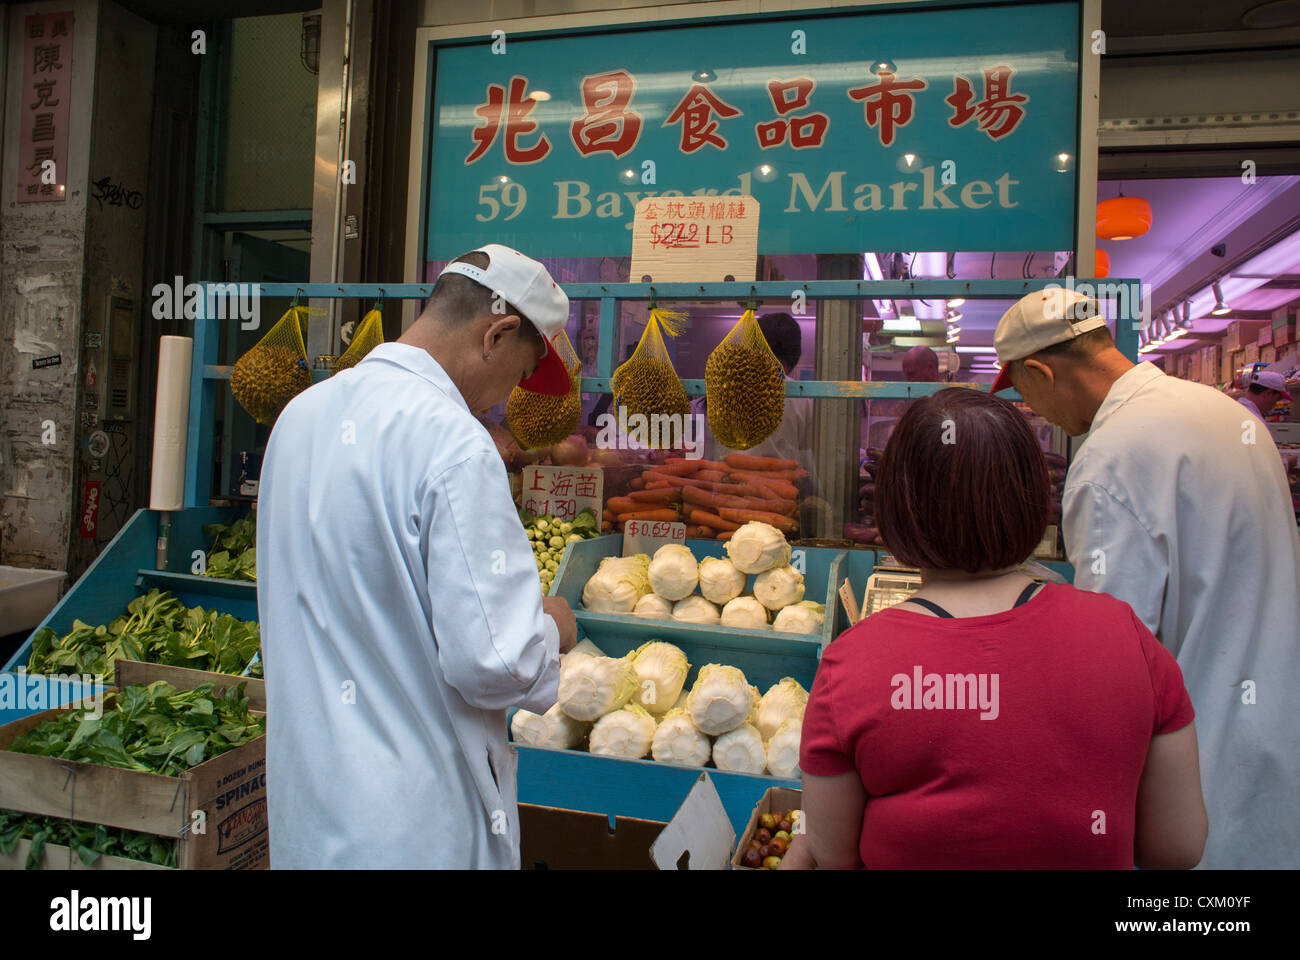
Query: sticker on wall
pixel 98 444
pixel 90 510
pixel 40 363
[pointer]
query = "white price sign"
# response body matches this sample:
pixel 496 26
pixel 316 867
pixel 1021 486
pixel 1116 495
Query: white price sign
pixel 647 536
pixel 563 492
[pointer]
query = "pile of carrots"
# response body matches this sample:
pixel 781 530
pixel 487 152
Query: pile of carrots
pixel 713 498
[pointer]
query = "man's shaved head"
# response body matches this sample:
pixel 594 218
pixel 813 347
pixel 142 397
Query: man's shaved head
pixel 921 364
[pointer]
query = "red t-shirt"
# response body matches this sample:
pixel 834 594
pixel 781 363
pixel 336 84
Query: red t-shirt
pixel 1035 726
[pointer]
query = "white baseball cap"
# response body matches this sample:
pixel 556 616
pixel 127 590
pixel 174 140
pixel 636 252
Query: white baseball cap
pixel 1039 320
pixel 1269 380
pixel 524 283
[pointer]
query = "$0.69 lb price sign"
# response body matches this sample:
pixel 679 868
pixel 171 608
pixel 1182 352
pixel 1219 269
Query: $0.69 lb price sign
pixel 647 536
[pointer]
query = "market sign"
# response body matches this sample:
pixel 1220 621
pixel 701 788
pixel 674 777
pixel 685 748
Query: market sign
pixel 929 129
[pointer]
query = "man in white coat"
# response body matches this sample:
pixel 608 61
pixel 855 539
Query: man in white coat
pixel 1177 503
pixel 400 606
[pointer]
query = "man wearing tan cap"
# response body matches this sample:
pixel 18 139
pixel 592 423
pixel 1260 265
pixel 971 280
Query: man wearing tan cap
pixel 1178 505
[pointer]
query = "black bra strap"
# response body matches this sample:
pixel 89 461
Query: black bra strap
pixel 931 606
pixel 1026 593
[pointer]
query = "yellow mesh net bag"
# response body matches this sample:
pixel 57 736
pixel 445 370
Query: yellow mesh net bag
pixel 745 387
pixel 275 370
pixel 369 334
pixel 537 420
pixel 647 383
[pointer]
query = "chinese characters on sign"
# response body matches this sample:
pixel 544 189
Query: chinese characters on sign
pixel 563 492
pixel 611 125
pixel 647 536
pixel 45 95
pixel 711 238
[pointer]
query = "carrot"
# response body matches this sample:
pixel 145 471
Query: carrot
pixel 679 468
pixel 790 476
pixel 654 515
pixel 658 495
pixel 784 524
pixel 699 464
pixel 705 533
pixel 657 485
pixel 705 498
pixel 714 476
pixel 706 519
pixel 607 526
pixel 743 461
pixel 725 535
pixel 621 504
pixel 636 483
pixel 777 488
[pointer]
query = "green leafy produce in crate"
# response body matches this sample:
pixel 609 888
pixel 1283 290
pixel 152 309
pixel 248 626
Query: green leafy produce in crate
pixel 234 549
pixel 549 535
pixel 89 841
pixel 157 628
pixel 149 728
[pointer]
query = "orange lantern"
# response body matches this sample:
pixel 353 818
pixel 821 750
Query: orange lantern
pixel 1101 264
pixel 1123 218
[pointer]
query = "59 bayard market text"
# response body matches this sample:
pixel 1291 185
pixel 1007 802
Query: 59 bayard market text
pixel 574 199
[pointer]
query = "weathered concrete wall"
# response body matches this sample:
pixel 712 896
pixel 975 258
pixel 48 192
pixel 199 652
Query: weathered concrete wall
pixel 116 220
pixel 42 256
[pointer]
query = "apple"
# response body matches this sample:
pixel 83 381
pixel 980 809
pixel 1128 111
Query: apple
pixel 763 835
pixel 767 820
pixel 771 863
pixel 752 859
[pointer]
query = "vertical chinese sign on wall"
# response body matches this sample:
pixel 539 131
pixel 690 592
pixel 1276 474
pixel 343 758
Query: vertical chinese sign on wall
pixel 928 129
pixel 44 101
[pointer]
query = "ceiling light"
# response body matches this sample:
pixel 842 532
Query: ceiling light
pixel 1187 315
pixel 956 301
pixel 902 325
pixel 954 316
pixel 539 95
pixel 1100 263
pixel 704 76
pixel 1123 218
pixel 1220 308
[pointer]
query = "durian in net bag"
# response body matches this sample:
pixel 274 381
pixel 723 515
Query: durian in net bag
pixel 275 370
pixel 647 383
pixel 369 334
pixel 537 420
pixel 744 386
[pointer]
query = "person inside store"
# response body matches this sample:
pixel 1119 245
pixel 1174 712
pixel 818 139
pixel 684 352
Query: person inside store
pixel 792 439
pixel 991 721
pixel 1172 507
pixel 1265 390
pixel 920 364
pixel 400 607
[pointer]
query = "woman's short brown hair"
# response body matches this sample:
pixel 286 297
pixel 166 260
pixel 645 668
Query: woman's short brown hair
pixel 962 484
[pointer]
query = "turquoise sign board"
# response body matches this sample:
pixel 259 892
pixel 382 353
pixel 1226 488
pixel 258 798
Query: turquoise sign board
pixel 926 129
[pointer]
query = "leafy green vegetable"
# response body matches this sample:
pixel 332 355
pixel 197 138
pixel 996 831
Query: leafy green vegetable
pixel 89 841
pixel 149 728
pixel 157 628
pixel 234 553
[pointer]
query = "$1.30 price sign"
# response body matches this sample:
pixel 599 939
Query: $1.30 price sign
pixel 647 536
pixel 563 492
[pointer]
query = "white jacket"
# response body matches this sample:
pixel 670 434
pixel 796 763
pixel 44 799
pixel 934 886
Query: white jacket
pixel 401 615
pixel 1178 504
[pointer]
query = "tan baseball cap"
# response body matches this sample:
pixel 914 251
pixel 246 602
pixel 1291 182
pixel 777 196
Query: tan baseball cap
pixel 1039 320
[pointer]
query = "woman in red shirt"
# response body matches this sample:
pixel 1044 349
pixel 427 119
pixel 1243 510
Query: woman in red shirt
pixel 990 721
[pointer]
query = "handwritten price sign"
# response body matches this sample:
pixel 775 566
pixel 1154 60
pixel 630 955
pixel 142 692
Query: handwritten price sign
pixel 563 492
pixel 695 238
pixel 647 536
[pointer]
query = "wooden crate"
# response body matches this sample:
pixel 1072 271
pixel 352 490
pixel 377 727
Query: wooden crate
pixel 58 857
pixel 226 794
pixel 184 678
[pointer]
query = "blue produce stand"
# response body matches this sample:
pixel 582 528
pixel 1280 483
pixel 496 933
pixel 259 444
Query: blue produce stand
pixel 562 778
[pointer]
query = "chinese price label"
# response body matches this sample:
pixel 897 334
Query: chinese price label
pixel 690 239
pixel 647 536
pixel 563 492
